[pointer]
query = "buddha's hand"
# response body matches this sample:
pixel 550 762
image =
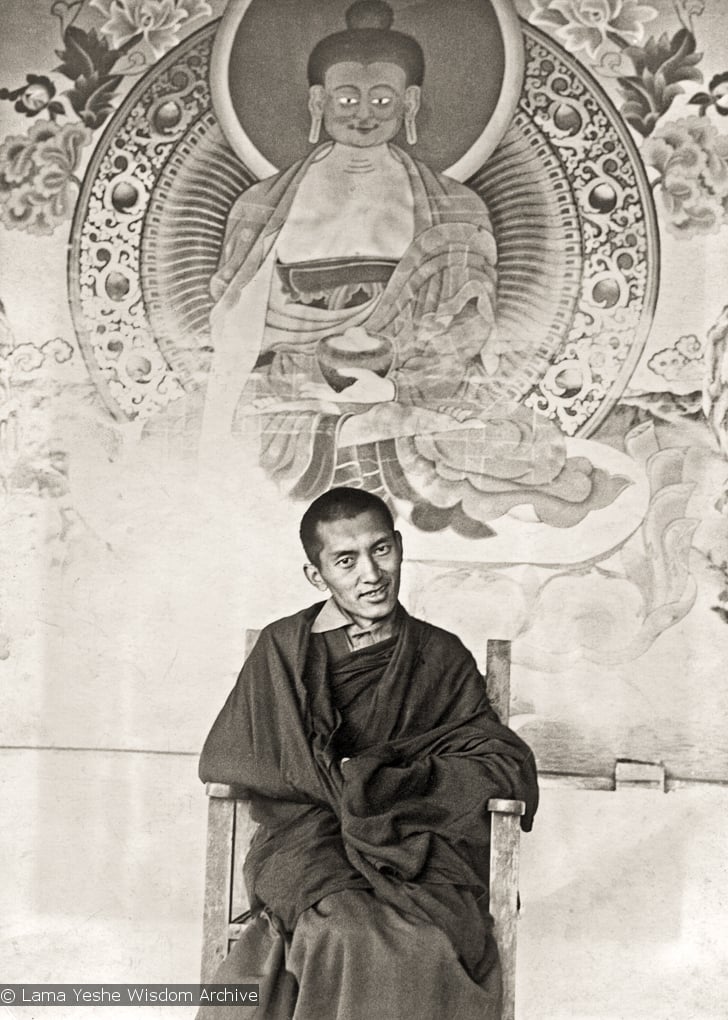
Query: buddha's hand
pixel 369 388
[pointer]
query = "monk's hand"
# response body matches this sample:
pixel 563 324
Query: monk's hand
pixel 368 388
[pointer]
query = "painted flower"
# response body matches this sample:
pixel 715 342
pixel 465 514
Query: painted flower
pixel 37 94
pixel 693 8
pixel 37 176
pixel 692 160
pixel 719 90
pixel 691 209
pixel 158 21
pixel 589 24
pixel 716 96
pixel 34 97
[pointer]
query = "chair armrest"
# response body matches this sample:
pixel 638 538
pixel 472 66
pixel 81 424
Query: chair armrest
pixel 506 807
pixel 224 791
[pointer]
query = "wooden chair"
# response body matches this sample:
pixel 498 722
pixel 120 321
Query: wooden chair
pixel 230 829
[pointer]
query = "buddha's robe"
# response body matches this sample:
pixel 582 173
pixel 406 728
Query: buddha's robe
pixel 453 442
pixel 368 879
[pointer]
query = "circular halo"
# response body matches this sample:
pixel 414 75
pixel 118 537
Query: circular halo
pixel 458 129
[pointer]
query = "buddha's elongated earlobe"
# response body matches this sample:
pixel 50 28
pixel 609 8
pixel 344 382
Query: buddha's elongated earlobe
pixel 313 135
pixel 412 99
pixel 316 103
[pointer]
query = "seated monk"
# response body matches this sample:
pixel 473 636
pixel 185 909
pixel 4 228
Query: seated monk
pixel 355 315
pixel 368 748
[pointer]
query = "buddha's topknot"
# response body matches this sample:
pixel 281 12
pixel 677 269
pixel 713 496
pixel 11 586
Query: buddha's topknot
pixel 368 38
pixel 369 14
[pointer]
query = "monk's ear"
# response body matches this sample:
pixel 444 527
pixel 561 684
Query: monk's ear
pixel 313 576
pixel 398 540
pixel 316 96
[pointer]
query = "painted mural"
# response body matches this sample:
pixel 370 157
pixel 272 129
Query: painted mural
pixel 524 352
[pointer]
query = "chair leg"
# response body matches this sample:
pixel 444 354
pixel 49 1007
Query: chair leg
pixel 218 884
pixel 504 855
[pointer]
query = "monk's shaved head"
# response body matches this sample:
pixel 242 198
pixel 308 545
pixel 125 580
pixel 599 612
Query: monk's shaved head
pixel 338 504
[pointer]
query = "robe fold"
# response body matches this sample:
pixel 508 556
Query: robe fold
pixel 401 826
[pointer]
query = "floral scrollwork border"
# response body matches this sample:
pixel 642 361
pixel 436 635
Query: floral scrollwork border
pixel 619 238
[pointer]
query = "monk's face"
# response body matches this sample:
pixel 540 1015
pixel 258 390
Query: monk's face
pixel 359 565
pixel 363 104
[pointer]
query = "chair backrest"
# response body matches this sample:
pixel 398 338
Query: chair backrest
pixel 498 677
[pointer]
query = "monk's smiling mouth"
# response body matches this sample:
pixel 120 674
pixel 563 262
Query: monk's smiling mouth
pixel 375 593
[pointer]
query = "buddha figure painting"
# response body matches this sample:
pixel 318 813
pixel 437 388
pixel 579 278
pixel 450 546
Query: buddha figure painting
pixel 354 327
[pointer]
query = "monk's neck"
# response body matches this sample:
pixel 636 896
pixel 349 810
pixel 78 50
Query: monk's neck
pixel 351 160
pixel 380 629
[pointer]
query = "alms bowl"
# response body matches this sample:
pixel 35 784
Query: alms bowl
pixel 354 349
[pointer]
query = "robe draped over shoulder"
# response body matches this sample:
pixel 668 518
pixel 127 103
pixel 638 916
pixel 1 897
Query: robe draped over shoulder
pixel 259 213
pixel 404 821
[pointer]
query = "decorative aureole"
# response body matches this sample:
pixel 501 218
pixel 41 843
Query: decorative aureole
pixel 571 209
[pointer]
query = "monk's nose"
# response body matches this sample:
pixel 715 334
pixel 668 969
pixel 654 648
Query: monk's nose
pixel 370 571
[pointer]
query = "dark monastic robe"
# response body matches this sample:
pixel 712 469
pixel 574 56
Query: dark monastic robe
pixel 401 827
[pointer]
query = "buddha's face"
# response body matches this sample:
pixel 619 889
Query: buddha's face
pixel 364 104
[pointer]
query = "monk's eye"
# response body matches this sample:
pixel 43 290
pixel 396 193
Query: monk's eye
pixel 348 100
pixel 381 101
pixel 382 550
pixel 345 562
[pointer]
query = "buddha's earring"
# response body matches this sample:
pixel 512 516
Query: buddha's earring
pixel 313 135
pixel 410 129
